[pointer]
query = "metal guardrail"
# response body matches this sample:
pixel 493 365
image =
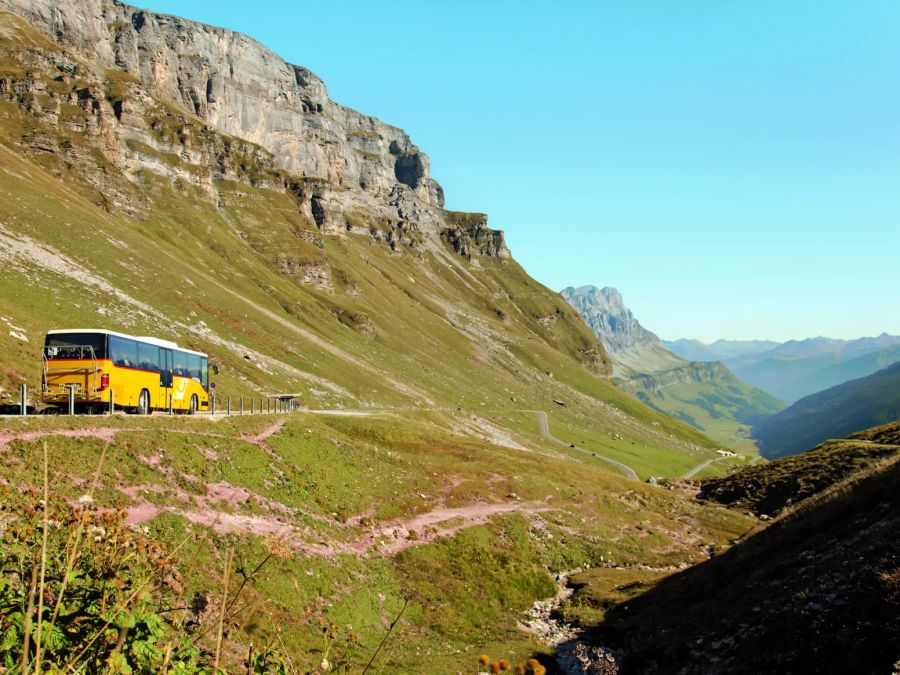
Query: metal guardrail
pixel 277 404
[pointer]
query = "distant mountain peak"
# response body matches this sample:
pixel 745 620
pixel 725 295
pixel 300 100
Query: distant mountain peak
pixel 604 310
pixel 706 395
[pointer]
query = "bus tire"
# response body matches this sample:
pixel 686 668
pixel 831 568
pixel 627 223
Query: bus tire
pixel 143 406
pixel 195 404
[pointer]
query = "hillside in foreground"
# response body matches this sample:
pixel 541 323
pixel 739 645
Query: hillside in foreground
pixel 770 488
pixel 833 413
pixel 818 591
pixel 353 517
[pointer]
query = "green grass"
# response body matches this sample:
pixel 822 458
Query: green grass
pixel 723 408
pixel 467 592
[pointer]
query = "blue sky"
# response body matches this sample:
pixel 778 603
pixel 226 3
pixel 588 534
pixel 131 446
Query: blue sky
pixel 732 167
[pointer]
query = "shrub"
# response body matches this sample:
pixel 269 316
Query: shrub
pixel 81 588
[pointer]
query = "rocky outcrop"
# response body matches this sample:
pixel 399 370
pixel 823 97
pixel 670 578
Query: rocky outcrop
pixel 104 67
pixel 605 312
pixel 690 372
pixel 470 236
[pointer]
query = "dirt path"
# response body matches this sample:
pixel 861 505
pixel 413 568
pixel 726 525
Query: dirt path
pixel 386 539
pixel 439 523
pixel 268 432
pixel 544 427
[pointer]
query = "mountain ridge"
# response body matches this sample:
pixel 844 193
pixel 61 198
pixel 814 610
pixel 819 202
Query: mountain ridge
pixel 796 368
pixel 719 350
pixel 836 412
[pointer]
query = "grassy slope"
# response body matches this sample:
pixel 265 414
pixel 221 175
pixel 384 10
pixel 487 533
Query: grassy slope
pixel 724 409
pixel 407 329
pixel 833 413
pixel 771 487
pixel 327 482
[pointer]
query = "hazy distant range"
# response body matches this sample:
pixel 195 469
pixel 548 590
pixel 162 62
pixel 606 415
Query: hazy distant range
pixel 794 369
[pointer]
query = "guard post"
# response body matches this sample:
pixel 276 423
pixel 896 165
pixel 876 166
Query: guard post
pixel 23 398
pixel 71 388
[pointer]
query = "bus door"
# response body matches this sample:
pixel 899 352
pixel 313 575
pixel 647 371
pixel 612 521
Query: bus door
pixel 165 376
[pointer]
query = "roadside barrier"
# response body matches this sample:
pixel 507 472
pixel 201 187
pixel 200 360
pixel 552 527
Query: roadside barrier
pixel 274 404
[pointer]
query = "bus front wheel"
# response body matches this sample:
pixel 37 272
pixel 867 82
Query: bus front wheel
pixel 143 407
pixel 194 405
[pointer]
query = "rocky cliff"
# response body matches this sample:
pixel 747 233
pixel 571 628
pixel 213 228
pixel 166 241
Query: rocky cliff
pixel 348 170
pixel 605 312
pixel 633 349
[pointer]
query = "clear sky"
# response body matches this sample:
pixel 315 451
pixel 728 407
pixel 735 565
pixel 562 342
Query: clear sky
pixel 732 167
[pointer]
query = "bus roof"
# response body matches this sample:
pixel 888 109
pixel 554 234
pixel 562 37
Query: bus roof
pixel 142 338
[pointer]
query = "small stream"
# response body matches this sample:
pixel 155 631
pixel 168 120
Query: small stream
pixel 573 656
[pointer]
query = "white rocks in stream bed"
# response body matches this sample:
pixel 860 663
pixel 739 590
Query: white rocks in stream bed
pixel 549 630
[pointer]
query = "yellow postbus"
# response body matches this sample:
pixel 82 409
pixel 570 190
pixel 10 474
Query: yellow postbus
pixel 143 373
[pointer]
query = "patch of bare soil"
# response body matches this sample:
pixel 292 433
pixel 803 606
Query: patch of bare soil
pixel 388 539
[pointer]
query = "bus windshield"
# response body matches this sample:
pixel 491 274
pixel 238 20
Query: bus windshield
pixel 75 345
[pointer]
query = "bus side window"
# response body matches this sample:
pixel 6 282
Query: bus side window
pixel 194 366
pixel 148 357
pixel 180 367
pixel 123 352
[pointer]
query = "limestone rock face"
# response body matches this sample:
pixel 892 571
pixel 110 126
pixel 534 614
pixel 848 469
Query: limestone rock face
pixel 640 362
pixel 350 171
pixel 241 88
pixel 605 312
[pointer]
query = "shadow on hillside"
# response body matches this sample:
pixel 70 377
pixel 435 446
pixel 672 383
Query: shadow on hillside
pixel 818 591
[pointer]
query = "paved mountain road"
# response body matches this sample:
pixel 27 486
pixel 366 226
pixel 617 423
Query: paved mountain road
pixel 544 427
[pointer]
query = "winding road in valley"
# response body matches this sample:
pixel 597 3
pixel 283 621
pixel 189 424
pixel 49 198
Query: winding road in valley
pixel 544 427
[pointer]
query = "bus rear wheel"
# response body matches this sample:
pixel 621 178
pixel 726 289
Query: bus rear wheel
pixel 195 404
pixel 143 406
